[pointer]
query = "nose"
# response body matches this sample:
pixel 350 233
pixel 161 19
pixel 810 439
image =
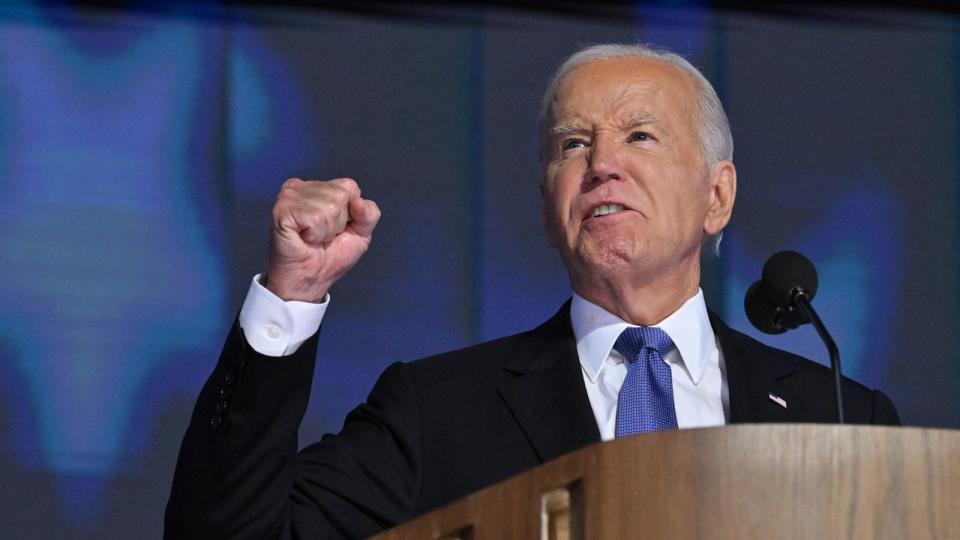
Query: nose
pixel 603 163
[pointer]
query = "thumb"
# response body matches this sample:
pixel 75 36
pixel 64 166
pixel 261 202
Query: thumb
pixel 364 215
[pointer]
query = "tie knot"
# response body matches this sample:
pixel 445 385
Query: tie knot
pixel 634 339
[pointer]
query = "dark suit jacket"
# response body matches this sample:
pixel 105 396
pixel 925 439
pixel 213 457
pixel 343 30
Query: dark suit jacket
pixel 431 431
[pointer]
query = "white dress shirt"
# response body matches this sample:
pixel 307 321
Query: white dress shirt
pixel 695 363
pixel 277 328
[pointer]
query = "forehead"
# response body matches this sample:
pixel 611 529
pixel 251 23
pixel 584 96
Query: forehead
pixel 612 88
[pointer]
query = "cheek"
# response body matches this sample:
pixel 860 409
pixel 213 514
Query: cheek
pixel 689 188
pixel 691 207
pixel 555 226
pixel 553 213
pixel 558 194
pixel 548 210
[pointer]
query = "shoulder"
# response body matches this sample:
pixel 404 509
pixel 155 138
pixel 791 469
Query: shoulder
pixel 515 353
pixel 750 362
pixel 737 345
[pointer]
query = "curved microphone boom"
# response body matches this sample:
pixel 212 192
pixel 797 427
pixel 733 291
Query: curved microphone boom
pixel 780 301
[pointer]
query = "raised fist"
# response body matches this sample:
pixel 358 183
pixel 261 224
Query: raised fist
pixel 320 230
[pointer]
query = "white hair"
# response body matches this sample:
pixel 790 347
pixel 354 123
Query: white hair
pixel 716 141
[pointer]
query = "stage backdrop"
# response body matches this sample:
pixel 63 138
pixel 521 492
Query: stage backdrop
pixel 141 150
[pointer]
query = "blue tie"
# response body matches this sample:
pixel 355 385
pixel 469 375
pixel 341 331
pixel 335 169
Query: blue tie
pixel 645 402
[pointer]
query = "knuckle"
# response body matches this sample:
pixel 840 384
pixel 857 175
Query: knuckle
pixel 289 189
pixel 330 209
pixel 280 208
pixel 348 184
pixel 281 221
pixel 340 196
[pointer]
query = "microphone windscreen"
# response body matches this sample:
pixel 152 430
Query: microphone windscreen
pixel 787 271
pixel 761 310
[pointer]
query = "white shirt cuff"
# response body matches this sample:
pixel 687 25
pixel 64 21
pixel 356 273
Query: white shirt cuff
pixel 274 327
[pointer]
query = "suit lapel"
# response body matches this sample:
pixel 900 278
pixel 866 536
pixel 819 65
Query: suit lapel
pixel 543 386
pixel 760 388
pixel 544 390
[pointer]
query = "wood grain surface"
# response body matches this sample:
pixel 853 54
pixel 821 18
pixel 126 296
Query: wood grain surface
pixel 745 481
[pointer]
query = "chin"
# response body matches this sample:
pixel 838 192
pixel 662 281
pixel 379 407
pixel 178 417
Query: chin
pixel 610 260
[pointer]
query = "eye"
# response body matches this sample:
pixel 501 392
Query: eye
pixel 640 136
pixel 570 144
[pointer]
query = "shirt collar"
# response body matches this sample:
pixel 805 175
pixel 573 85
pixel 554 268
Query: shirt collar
pixel 596 330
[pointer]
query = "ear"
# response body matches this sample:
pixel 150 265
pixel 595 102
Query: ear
pixel 723 192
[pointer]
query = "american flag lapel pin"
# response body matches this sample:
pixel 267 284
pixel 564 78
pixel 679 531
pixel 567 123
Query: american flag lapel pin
pixel 778 400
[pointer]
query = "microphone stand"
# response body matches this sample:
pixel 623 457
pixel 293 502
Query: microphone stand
pixel 803 302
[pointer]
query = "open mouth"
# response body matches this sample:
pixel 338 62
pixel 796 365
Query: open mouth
pixel 606 210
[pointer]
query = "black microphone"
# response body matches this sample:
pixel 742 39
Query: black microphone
pixel 770 303
pixel 780 301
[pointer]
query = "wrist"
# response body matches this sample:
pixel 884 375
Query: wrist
pixel 295 289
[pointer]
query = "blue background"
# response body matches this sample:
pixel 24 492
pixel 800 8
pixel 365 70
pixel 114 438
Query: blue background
pixel 141 149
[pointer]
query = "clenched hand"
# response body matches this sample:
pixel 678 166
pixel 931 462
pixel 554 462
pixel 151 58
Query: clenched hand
pixel 320 230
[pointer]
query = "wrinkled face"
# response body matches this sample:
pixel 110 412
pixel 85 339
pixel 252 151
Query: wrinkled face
pixel 625 186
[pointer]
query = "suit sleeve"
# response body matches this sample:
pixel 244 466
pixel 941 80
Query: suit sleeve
pixel 239 474
pixel 884 413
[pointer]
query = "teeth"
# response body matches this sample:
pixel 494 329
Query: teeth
pixel 605 209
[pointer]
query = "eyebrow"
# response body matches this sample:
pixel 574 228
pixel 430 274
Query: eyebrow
pixel 642 119
pixel 566 127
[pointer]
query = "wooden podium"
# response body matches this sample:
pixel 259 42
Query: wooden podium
pixel 746 481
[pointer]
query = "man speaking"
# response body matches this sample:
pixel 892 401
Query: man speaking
pixel 637 178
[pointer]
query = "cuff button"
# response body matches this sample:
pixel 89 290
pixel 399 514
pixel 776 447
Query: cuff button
pixel 273 331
